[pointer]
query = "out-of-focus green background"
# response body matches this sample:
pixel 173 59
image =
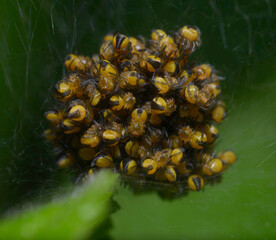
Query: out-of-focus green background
pixel 239 39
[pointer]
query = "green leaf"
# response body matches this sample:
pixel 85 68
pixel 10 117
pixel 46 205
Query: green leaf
pixel 242 205
pixel 75 216
pixel 238 38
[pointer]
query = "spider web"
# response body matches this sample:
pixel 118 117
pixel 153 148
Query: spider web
pixel 238 40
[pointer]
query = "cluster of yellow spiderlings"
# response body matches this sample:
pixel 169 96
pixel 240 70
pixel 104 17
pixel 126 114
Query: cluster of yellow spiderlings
pixel 141 108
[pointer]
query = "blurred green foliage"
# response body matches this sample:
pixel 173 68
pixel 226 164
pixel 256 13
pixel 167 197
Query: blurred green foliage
pixel 238 39
pixel 242 206
pixel 71 217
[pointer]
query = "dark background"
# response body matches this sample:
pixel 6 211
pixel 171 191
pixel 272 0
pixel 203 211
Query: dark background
pixel 238 39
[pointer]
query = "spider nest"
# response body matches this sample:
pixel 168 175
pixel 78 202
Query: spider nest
pixel 141 108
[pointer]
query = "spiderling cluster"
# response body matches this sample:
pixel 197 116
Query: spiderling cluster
pixel 142 108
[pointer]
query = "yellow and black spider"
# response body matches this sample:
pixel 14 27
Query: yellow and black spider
pixel 141 108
